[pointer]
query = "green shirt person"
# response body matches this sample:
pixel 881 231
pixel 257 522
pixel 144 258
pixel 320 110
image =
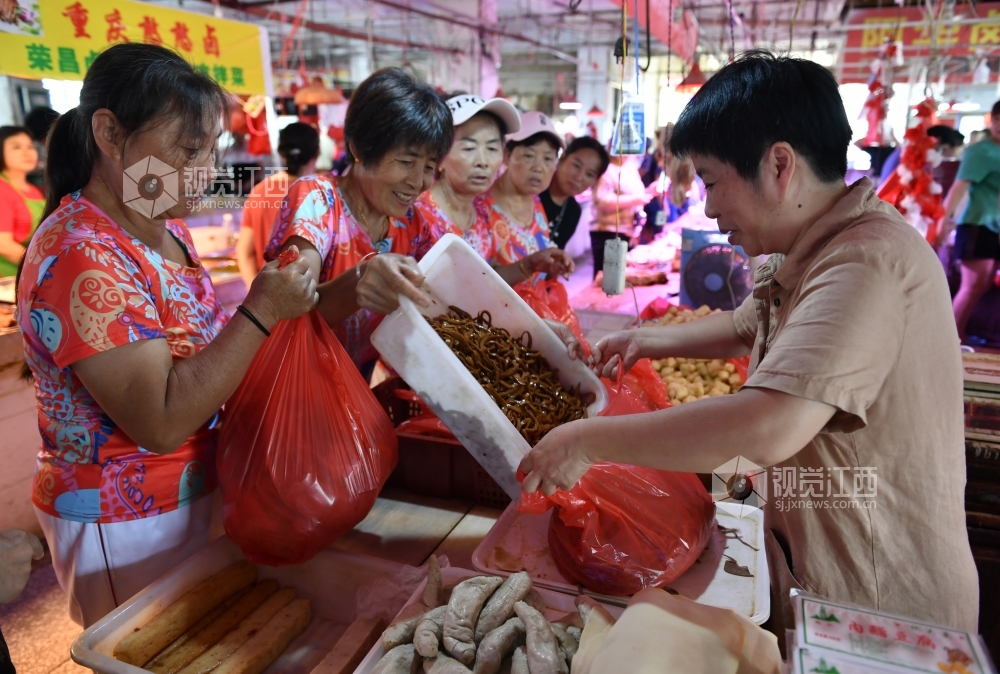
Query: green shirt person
pixel 977 235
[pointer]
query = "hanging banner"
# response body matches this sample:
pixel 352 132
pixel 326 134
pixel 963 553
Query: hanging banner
pixel 680 31
pixel 977 36
pixel 59 39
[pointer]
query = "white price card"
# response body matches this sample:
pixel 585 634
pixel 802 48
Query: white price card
pixel 886 639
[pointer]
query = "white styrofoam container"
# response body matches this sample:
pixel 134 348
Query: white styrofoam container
pixel 558 605
pixel 518 541
pixel 456 276
pixel 330 581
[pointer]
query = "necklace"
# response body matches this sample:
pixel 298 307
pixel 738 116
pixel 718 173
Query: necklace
pixel 521 221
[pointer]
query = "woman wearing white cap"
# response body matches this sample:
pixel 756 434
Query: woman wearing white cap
pixel 468 170
pixel 517 217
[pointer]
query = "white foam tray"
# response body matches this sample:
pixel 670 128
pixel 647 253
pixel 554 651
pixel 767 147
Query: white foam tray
pixel 457 276
pixel 330 581
pixel 519 541
pixel 558 604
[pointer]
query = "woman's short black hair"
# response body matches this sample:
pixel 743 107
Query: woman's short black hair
pixel 9 132
pixel 39 121
pixel 588 143
pixel 534 140
pixel 761 99
pixel 392 109
pixel 298 144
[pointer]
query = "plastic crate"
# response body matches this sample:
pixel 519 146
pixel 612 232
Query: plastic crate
pixel 439 467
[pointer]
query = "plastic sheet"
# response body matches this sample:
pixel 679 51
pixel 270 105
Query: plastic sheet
pixel 304 448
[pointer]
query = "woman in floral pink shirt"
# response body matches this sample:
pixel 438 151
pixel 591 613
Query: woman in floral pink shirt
pixel 131 352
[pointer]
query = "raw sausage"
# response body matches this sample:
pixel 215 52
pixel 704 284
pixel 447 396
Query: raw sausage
pixel 442 664
pixel 428 633
pixel 500 607
pixel 400 660
pixel 497 645
pixel 543 653
pixel 463 610
pixel 434 589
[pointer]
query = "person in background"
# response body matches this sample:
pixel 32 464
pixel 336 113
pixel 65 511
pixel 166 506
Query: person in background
pixel 951 150
pixel 517 218
pixel 946 142
pixel 619 197
pixel 580 167
pixel 38 122
pixel 21 203
pixel 357 231
pixel 17 550
pixel 977 235
pixel 298 147
pixel 652 166
pixel 130 349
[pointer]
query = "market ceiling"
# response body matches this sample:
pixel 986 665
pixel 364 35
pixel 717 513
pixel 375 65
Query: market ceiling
pixel 543 33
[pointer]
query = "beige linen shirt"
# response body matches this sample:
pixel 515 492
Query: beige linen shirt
pixel 858 316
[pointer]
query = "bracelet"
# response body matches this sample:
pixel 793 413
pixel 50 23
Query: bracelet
pixel 253 319
pixel 520 264
pixel 357 268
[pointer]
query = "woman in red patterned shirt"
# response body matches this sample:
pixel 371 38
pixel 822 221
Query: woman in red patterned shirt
pixel 130 349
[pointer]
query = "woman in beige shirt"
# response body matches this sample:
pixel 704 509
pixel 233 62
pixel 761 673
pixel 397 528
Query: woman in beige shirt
pixel 855 379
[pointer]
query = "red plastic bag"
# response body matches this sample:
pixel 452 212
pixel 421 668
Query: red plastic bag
pixel 645 382
pixel 305 447
pixel 625 528
pixel 550 299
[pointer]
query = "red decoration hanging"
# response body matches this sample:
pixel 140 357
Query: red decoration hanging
pixel 911 188
pixel 879 92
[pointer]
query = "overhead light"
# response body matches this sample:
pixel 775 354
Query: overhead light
pixel 694 80
pixel 571 104
pixel 316 93
pixel 595 112
pixel 967 106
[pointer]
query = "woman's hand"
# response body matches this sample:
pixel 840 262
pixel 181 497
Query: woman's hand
pixel 384 278
pixel 279 294
pixel 619 349
pixel 573 345
pixel 551 261
pixel 558 461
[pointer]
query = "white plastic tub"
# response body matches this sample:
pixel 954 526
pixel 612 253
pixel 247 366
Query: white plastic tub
pixel 558 605
pixel 457 276
pixel 330 581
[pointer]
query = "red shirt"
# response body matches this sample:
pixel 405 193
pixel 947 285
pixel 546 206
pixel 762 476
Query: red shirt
pixel 14 214
pixel 88 286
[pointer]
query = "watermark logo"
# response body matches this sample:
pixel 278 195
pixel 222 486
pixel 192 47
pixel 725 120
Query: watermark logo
pixel 824 488
pixel 150 186
pixel 740 482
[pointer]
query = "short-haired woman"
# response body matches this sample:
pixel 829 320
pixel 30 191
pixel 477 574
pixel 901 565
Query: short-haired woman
pixel 298 147
pixel 130 349
pixel 516 214
pixel 357 231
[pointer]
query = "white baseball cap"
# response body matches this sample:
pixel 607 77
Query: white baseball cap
pixel 533 122
pixel 463 107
